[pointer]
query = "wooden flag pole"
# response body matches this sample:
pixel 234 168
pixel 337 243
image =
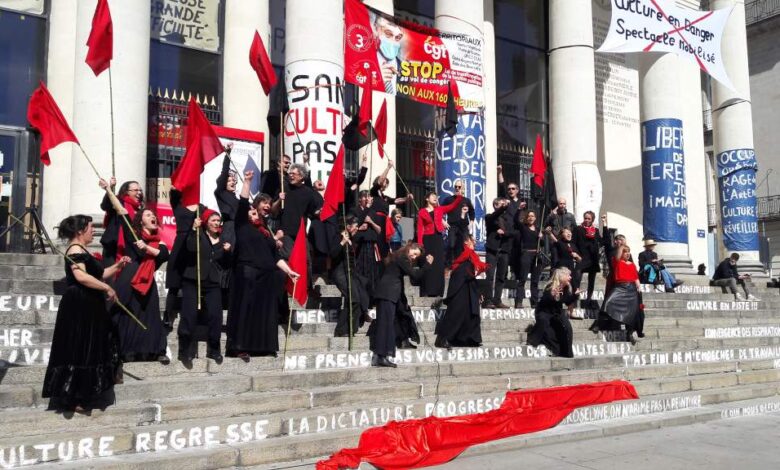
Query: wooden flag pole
pixel 281 153
pixel 197 253
pixel 111 107
pixel 398 175
pixel 349 280
pixel 289 323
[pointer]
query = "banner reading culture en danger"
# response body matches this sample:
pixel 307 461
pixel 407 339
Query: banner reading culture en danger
pixel 406 59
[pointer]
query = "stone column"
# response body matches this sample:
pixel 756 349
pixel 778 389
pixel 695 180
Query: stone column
pixel 572 97
pixel 59 79
pixel 733 144
pixel 491 105
pixel 244 104
pixel 665 204
pixel 91 105
pixel 469 142
pixel 314 73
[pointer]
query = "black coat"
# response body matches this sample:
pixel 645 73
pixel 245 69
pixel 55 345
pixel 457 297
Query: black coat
pixel 184 220
pixel 588 248
pixel 562 254
pixel 227 203
pixel 214 260
pixel 500 219
pixel 391 284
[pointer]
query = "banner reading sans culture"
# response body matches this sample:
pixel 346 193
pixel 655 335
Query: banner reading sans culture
pixel 402 58
pixel 665 216
pixel 737 184
pixel 191 23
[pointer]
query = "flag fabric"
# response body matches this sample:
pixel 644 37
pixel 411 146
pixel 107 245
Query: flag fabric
pixel 101 39
pixel 380 126
pixel 353 139
pixel 451 114
pixel 539 169
pixel 258 59
pixel 278 107
pixel 365 111
pixel 203 145
pixel 299 290
pixel 550 199
pixel 254 188
pixel 44 115
pixel 334 191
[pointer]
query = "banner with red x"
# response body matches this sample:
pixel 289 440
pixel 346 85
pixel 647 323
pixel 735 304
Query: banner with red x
pixel 662 26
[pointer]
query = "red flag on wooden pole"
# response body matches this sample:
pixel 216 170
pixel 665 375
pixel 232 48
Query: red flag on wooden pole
pixel 297 262
pixel 203 145
pixel 538 165
pixel 44 115
pixel 258 59
pixel 334 191
pixel 380 126
pixel 365 110
pixel 101 39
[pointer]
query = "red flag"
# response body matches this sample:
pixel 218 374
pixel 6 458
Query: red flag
pixel 297 262
pixel 365 111
pixel 44 115
pixel 380 127
pixel 101 39
pixel 538 165
pixel 334 191
pixel 258 59
pixel 203 145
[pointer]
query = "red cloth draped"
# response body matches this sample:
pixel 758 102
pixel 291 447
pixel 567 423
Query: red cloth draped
pixel 380 126
pixel 432 441
pixel 470 255
pixel 144 277
pixel 131 205
pixel 625 271
pixel 334 191
pixel 260 224
pixel 389 227
pixel 299 290
pixel 590 232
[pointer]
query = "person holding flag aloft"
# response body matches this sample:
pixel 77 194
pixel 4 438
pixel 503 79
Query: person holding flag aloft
pixel 131 198
pixel 380 204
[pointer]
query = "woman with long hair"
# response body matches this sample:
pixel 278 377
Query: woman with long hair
pixel 257 284
pixel 460 325
pixel 565 255
pixel 524 260
pixel 430 229
pixel 622 307
pixel 552 327
pixel 84 362
pixel 214 264
pixel 131 197
pixel 389 296
pixel 588 240
pixel 137 290
pixel 381 203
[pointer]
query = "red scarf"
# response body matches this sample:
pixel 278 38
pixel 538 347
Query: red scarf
pixel 590 232
pixel 389 227
pixel 260 224
pixel 469 255
pixel 131 205
pixel 144 276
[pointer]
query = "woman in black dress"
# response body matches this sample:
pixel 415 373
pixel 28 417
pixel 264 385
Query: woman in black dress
pixel 389 296
pixel 131 197
pixel 565 255
pixel 214 263
pixel 552 327
pixel 350 283
pixel 588 240
pixel 430 227
pixel 84 363
pixel 137 290
pixel 461 323
pixel 381 205
pixel 525 258
pixel 257 284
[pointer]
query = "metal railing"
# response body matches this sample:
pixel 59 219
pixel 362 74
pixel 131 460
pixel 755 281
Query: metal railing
pixel 758 10
pixel 769 207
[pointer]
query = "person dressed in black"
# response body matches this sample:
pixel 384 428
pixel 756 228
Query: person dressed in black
pixel 257 284
pixel 560 219
pixel 552 327
pixel 215 253
pixel 727 275
pixel 351 284
pixel 500 237
pixel 131 198
pixel 389 293
pixel 380 204
pixel 430 227
pixel 511 192
pixel 300 201
pixel 84 362
pixel 368 262
pixel 461 220
pixel 227 202
pixel 137 290
pixel 588 241
pixel 524 258
pixel 565 255
pixel 271 180
pixel 460 325
pixel 185 217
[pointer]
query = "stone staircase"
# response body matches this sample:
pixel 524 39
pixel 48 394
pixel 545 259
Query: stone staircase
pixel 704 357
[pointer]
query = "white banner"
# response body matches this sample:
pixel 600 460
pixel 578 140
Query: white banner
pixel 662 26
pixel 25 6
pixel 245 155
pixel 587 189
pixel 191 23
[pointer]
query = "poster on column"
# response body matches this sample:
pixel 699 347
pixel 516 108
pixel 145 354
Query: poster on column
pixel 190 23
pixel 406 59
pixel 662 26
pixel 587 189
pixel 24 6
pixel 312 130
pixel 462 157
pixel 738 214
pixel 665 208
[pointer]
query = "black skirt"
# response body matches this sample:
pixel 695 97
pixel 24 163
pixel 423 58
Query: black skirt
pixel 254 313
pixel 622 303
pixel 135 343
pixel 460 325
pixel 553 330
pixel 432 284
pixel 382 333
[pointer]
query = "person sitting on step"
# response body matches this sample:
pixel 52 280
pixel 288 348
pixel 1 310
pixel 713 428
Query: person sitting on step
pixel 652 269
pixel 727 275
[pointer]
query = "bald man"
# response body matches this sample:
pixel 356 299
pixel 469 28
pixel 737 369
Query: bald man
pixel 560 218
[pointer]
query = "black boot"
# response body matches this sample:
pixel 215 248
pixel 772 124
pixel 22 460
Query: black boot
pixel 442 342
pixel 406 344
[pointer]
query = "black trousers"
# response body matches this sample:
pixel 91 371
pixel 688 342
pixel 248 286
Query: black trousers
pixel 496 275
pixel 528 265
pixel 591 282
pixel 211 305
pixel 381 333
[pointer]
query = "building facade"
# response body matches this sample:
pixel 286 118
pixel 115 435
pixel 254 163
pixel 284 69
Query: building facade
pixel 541 77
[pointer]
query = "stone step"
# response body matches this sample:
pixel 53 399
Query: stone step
pixel 25 259
pixel 44 273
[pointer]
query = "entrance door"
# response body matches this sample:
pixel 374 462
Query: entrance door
pixel 20 187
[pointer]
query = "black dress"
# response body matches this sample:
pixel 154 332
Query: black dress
pixel 432 283
pixel 460 325
pixel 137 344
pixel 227 202
pixel 351 284
pixel 368 260
pixel 257 289
pixel 552 327
pixel 381 207
pixel 84 356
